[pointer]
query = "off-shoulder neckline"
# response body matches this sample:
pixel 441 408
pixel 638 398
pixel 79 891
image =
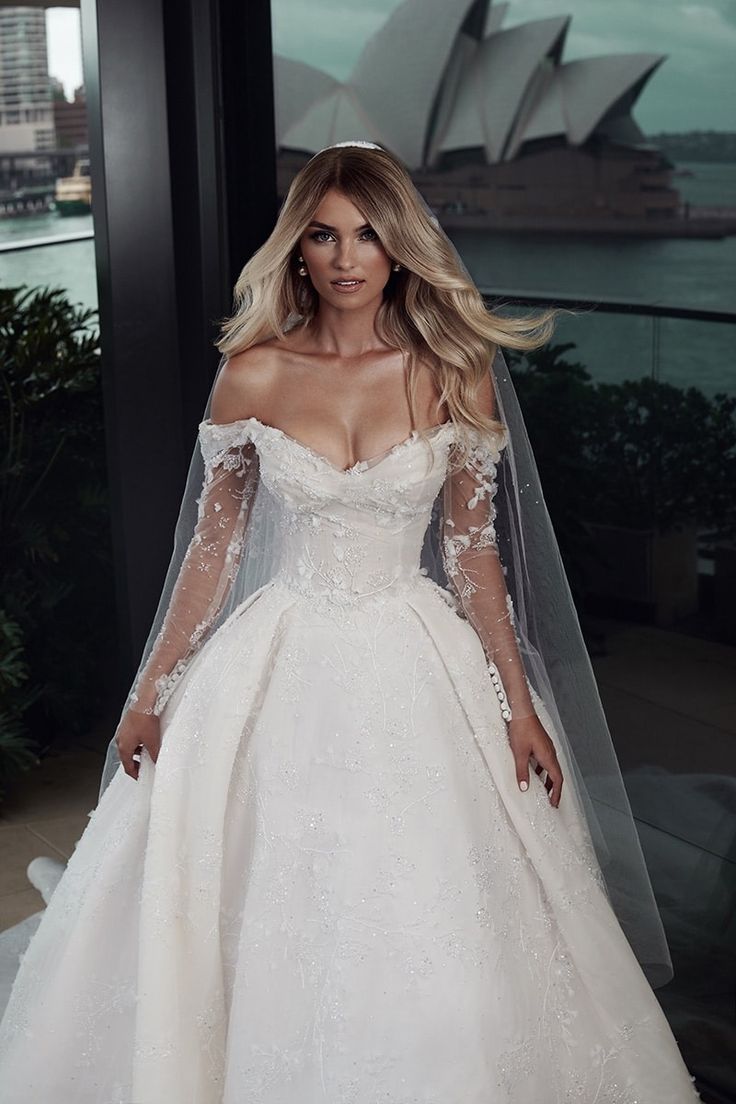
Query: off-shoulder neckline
pixel 359 465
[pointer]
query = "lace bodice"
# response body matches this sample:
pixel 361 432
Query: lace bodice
pixel 345 536
pixel 350 535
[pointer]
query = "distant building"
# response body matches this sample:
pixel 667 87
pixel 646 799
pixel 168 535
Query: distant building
pixel 493 124
pixel 70 121
pixel 26 108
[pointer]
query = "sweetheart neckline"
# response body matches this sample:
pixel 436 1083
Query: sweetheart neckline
pixel 359 465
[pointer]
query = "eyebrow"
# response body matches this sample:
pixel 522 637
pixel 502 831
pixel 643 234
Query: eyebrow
pixel 326 226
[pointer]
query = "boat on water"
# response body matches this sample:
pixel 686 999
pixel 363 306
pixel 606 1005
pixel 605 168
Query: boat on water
pixel 73 194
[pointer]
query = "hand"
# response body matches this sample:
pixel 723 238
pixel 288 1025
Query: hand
pixel 527 736
pixel 134 731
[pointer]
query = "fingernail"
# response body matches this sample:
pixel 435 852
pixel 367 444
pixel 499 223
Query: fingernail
pixel 523 785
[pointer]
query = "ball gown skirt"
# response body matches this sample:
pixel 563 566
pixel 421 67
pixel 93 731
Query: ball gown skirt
pixel 330 889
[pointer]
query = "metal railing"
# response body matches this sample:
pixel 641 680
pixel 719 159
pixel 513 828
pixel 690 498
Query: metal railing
pixel 607 304
pixel 40 242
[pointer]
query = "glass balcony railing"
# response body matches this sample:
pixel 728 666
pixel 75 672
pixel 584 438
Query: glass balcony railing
pixel 639 400
pixel 631 413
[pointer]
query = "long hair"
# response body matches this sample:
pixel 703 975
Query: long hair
pixel 430 309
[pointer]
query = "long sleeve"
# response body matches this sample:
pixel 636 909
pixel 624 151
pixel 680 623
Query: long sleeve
pixel 474 570
pixel 209 565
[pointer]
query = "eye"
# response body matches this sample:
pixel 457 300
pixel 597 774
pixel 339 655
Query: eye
pixel 324 235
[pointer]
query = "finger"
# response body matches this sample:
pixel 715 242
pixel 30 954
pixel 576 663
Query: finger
pixel 130 765
pixel 153 749
pixel 522 769
pixel 541 770
pixel 557 780
pixel 543 774
pixel 124 761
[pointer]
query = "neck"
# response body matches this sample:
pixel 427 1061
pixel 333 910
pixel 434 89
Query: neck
pixel 345 333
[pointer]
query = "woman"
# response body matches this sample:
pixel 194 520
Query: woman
pixel 350 855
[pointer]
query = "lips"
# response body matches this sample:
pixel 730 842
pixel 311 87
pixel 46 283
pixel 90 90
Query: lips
pixel 347 288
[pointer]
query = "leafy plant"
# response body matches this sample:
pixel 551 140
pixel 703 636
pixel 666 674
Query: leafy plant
pixel 16 696
pixel 663 456
pixel 555 395
pixel 56 601
pixel 641 453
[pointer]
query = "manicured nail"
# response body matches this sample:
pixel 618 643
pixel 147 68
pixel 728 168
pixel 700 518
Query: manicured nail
pixel 523 785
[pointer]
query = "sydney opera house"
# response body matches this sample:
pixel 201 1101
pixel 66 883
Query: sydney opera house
pixel 496 128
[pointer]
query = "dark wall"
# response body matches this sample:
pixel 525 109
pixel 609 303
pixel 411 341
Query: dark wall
pixel 182 144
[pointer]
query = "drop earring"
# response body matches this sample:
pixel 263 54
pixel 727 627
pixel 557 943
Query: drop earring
pixel 301 270
pixel 396 266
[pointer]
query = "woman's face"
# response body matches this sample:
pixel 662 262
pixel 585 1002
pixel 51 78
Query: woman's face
pixel 338 246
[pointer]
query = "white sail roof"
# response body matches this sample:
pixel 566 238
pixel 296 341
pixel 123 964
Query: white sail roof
pixel 496 83
pixel 578 94
pixel 495 18
pixel 592 86
pixel 543 114
pixel 336 117
pixel 400 69
pixel 452 93
pixel 296 87
pixel 440 75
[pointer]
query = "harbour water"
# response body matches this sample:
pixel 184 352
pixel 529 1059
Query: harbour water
pixel 673 272
pixel 70 266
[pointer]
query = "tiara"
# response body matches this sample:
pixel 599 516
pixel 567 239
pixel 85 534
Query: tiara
pixel 352 142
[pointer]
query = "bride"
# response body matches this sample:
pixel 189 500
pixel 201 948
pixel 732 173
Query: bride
pixel 361 834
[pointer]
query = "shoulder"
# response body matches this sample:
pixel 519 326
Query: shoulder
pixel 245 382
pixel 486 395
pixel 485 398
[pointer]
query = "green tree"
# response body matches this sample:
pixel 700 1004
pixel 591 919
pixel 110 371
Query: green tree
pixel 56 594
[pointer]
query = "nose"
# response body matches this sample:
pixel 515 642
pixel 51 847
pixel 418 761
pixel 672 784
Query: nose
pixel 344 256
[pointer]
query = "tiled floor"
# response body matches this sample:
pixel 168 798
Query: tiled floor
pixel 45 816
pixel 669 698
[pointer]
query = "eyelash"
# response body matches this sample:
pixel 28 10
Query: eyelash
pixel 315 236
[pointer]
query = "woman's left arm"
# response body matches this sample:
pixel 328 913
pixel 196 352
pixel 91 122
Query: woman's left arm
pixel 473 567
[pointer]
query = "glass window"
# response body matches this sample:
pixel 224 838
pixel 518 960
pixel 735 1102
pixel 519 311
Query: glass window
pixel 55 530
pixel 586 155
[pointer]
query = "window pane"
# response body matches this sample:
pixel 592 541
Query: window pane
pixel 587 156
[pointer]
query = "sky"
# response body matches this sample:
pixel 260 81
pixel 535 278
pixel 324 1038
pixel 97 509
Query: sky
pixel 694 88
pixel 64 47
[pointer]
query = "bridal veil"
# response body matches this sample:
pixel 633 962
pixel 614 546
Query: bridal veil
pixel 542 612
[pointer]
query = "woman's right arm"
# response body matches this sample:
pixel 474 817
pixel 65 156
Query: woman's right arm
pixel 212 558
pixel 207 572
pixel 211 561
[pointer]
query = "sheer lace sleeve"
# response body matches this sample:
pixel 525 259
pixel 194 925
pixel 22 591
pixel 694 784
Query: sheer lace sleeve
pixel 209 565
pixel 474 570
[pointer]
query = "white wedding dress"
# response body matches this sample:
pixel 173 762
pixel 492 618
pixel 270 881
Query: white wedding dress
pixel 330 889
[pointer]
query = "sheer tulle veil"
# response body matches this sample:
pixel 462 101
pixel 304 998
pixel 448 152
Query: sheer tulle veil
pixel 549 637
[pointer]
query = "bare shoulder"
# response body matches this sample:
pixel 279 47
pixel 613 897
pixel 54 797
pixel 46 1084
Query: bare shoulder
pixel 246 381
pixel 485 397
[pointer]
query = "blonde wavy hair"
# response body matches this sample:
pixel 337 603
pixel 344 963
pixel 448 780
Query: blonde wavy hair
pixel 430 309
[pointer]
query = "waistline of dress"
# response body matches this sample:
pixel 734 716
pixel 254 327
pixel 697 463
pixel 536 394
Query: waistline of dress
pixel 338 592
